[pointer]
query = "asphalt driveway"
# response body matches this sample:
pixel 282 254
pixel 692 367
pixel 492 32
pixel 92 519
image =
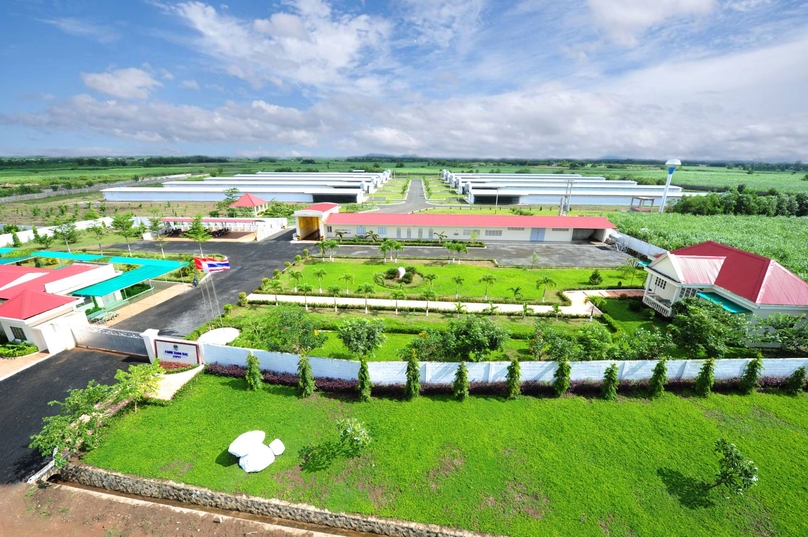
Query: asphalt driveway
pixel 24 401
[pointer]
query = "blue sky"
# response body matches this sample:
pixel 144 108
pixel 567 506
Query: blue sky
pixel 695 79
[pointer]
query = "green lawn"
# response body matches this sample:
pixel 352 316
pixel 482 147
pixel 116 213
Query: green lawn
pixel 471 289
pixel 527 467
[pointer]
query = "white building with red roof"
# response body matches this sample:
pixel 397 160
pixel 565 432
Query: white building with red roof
pixel 323 220
pixel 741 282
pixel 249 201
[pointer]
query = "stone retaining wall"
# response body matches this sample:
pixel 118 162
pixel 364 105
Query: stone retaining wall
pixel 168 490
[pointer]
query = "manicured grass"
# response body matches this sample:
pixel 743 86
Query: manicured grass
pixel 630 321
pixel 526 467
pixel 471 289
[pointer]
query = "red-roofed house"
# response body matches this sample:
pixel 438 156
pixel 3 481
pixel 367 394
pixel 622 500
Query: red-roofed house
pixel 319 221
pixel 741 282
pixel 249 201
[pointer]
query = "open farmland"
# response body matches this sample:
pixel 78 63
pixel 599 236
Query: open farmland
pixel 782 238
pixel 532 466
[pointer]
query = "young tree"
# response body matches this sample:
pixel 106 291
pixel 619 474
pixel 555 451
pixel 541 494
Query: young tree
pixel 561 378
pixel 789 332
pixel 610 380
pixel 750 380
pixel 43 240
pixel 735 472
pixel 656 386
pixel 198 233
pixel 430 278
pixel 15 240
pixel 384 247
pixel 320 274
pixel 138 382
pixel 306 289
pixel 427 296
pixel 348 279
pixel 458 281
pixel 335 290
pixel 795 383
pixel 488 279
pixel 706 378
pixel 517 292
pixel 98 229
pixel 413 387
pixel 473 337
pixel 253 377
pixel 396 247
pixel 123 225
pixel 322 247
pixel 513 380
pixel 701 326
pixel 276 286
pixel 595 278
pixel 460 386
pixel 364 386
pixel 66 230
pixel 291 329
pixel 330 246
pixel 544 282
pixel 305 377
pixel 398 294
pixel 361 337
pixel 157 229
pixel 365 289
pixel 295 275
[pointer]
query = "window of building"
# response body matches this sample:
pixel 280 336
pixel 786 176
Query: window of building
pixel 18 333
pixel 660 283
pixel 516 229
pixel 561 229
pixel 360 230
pixel 382 230
pixel 328 229
pixel 493 232
pixel 688 292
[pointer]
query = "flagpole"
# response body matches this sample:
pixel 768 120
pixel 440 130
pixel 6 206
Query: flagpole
pixel 208 302
pixel 218 311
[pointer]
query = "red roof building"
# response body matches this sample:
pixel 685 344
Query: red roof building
pixel 29 303
pixel 249 201
pixel 738 280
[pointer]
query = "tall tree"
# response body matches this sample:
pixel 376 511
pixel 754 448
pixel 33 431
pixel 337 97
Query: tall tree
pixel 361 337
pixel 295 275
pixel 365 289
pixel 98 229
pixel 488 279
pixel 458 281
pixel 157 229
pixel 198 233
pixel 348 279
pixel 335 290
pixel 398 294
pixel 123 225
pixel 544 282
pixel 427 296
pixel 320 274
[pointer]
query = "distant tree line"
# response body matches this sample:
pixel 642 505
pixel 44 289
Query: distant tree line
pixel 145 162
pixel 743 201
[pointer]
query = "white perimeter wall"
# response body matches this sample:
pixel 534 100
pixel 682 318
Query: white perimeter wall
pixel 443 372
pixel 27 235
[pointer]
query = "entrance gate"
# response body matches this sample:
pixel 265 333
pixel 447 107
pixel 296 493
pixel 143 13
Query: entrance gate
pixel 110 339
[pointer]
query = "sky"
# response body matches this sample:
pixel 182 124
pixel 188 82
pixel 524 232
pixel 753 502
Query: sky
pixel 691 79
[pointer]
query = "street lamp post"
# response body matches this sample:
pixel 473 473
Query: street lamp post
pixel 672 164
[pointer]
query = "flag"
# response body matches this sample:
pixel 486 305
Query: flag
pixel 209 264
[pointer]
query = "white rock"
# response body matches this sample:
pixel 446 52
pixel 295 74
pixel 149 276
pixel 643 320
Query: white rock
pixel 243 444
pixel 277 446
pixel 259 457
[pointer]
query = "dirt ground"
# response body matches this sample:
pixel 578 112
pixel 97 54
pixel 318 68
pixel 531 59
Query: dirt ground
pixel 33 511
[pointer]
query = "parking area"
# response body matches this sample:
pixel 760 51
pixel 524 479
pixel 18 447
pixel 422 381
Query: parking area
pixel 580 254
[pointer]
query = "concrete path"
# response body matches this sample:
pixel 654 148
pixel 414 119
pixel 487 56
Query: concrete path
pixel 171 383
pixel 416 200
pixel 12 366
pixel 578 307
pixel 148 301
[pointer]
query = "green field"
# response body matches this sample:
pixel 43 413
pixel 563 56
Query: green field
pixel 784 239
pixel 471 289
pixel 528 467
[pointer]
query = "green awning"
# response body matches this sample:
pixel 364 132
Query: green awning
pixel 148 270
pixel 11 260
pixel 68 256
pixel 725 303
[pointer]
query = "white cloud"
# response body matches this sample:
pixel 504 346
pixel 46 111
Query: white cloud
pixel 165 73
pixel 442 22
pixel 311 45
pixel 626 20
pixel 82 28
pixel 190 84
pixel 130 83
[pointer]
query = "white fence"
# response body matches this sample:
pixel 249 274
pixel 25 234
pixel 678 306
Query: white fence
pixel 27 235
pixel 444 372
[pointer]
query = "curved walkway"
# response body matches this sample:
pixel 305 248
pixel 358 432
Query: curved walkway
pixel 579 305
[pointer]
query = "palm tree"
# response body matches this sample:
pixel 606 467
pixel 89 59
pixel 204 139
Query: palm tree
pixel 306 289
pixel 517 291
pixel 277 286
pixel 428 295
pixel 452 248
pixel 460 308
pixel 398 294
pixel 384 247
pixel 365 289
pixel 441 236
pixel 458 281
pixel 320 273
pixel 348 279
pixel 334 290
pixel 545 281
pixel 331 245
pixel 378 279
pixel 339 235
pixel 525 310
pixel 322 247
pixel 372 236
pixel 461 249
pixel 430 278
pixel 492 308
pixel 488 279
pixel 396 247
pixel 296 275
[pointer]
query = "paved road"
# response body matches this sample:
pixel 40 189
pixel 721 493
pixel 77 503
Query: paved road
pixel 24 401
pixel 414 202
pixel 511 253
pixel 249 262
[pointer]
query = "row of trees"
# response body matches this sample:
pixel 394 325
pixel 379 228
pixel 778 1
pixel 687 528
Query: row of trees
pixel 742 201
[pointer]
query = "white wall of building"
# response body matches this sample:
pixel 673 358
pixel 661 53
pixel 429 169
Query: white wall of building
pixel 485 234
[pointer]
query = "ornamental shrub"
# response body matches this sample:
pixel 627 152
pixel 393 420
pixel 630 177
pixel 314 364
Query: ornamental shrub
pixel 750 380
pixel 610 380
pixel 595 278
pixel 656 386
pixel 561 378
pixel 795 383
pixel 706 378
pixel 353 435
pixel 253 377
pixel 242 299
pixel 413 388
pixel 460 386
pixel 364 386
pixel 512 379
pixel 305 377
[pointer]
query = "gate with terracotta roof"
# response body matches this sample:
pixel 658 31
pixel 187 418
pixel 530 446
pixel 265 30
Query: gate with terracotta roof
pixel 110 339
